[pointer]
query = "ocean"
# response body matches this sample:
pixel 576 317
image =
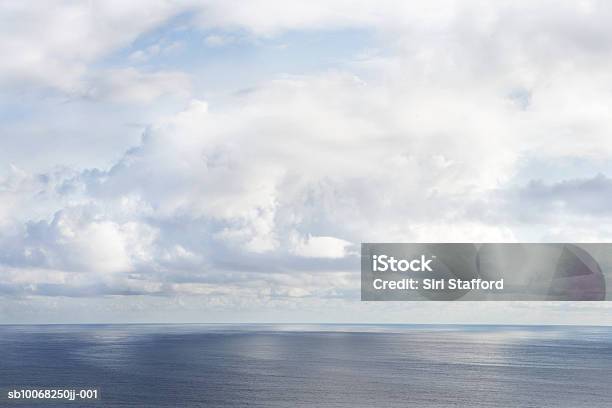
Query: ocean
pixel 311 365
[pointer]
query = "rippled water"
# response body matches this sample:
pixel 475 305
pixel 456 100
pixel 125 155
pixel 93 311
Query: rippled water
pixel 322 366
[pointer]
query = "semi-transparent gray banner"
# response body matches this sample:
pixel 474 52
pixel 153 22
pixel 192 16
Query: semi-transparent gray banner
pixel 468 271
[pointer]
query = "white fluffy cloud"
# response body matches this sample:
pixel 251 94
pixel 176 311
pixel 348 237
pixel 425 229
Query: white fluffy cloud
pixel 52 43
pixel 253 200
pixel 292 174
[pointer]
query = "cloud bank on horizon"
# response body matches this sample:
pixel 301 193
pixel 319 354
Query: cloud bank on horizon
pixel 222 160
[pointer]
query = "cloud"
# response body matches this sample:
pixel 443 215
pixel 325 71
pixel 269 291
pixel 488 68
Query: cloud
pixel 261 199
pixel 259 196
pixel 586 196
pixel 132 86
pixel 75 240
pixel 321 247
pixel 44 52
pixel 263 195
pixel 161 48
pixel 216 40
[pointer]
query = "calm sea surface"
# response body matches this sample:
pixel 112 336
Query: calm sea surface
pixel 312 366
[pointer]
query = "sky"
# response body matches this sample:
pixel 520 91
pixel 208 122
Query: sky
pixel 222 161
